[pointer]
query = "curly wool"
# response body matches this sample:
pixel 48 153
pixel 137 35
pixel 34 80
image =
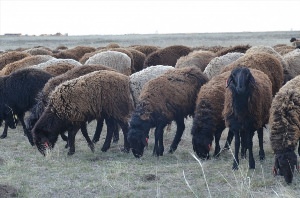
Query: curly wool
pixel 138 79
pixel 237 48
pixel 264 62
pixel 145 49
pixel 39 51
pixel 75 53
pixel 89 96
pixel 215 66
pixel 10 57
pixel 293 60
pixel 116 60
pixel 199 59
pixel 285 117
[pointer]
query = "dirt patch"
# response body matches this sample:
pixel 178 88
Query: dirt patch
pixel 8 191
pixel 149 177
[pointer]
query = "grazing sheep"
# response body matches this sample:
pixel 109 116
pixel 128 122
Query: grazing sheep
pixel 168 97
pixel 215 66
pixel 208 121
pixel 199 59
pixel 270 50
pixel 264 62
pixel 237 48
pixel 284 128
pixel 116 60
pixel 25 62
pixel 92 96
pixel 43 97
pixel 75 53
pixel 246 109
pixel 139 79
pixel 10 57
pixel 293 60
pixel 39 51
pixel 17 95
pixel 145 49
pixel 167 55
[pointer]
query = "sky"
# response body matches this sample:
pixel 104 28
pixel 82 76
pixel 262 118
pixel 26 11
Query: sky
pixel 105 17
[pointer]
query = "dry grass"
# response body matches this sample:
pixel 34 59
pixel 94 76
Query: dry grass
pixel 116 174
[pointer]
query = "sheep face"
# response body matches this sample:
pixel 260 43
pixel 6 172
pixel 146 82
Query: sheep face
pixel 239 80
pixel 201 146
pixel 285 164
pixel 46 131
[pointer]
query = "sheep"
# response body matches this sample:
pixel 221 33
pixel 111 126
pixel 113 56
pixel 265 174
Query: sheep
pixel 166 56
pixel 75 53
pixel 246 109
pixel 92 96
pixel 237 48
pixel 272 51
pixel 112 45
pixel 25 62
pixel 284 128
pixel 264 62
pixel 145 49
pixel 295 42
pixel 293 60
pixel 138 79
pixel 10 57
pixel 138 59
pixel 17 95
pixel 218 63
pixel 116 60
pixel 199 59
pixel 208 121
pixel 43 97
pixel 39 51
pixel 283 49
pixel 168 97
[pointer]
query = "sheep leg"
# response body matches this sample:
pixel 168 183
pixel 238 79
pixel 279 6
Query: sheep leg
pixel 299 147
pixel 250 147
pixel 98 130
pixel 178 135
pixel 237 142
pixel 26 132
pixel 261 143
pixel 217 142
pixel 65 138
pixel 110 122
pixel 71 139
pixel 160 133
pixel 243 145
pixel 116 134
pixel 124 126
pixel 228 140
pixel 87 137
pixel 4 134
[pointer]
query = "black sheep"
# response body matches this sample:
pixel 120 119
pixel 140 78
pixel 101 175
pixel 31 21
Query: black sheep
pixel 17 95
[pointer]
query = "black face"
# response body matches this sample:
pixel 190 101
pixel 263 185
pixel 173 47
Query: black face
pixel 201 147
pixel 240 79
pixel 137 141
pixel 285 165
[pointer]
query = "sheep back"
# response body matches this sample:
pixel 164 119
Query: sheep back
pixel 293 60
pixel 285 117
pixel 10 57
pixel 89 96
pixel 145 49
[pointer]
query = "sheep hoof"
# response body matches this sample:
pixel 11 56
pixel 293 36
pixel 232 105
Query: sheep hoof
pixel 235 166
pixel 95 140
pixel 67 145
pixel 261 155
pixel 92 147
pixel 71 153
pixel 125 150
pixel 3 136
pixel 104 148
pixel 115 140
pixel 171 151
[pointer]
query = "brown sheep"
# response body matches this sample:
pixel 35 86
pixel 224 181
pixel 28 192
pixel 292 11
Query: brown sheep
pixel 237 48
pixel 39 51
pixel 92 96
pixel 10 57
pixel 145 49
pixel 168 97
pixel 75 53
pixel 138 59
pixel 59 68
pixel 264 62
pixel 166 56
pixel 284 128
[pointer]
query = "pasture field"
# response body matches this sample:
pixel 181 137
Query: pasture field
pixel 117 174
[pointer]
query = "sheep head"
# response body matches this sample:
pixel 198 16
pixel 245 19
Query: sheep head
pixel 285 164
pixel 201 147
pixel 293 39
pixel 240 80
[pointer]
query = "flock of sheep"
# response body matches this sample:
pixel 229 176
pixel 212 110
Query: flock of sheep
pixel 140 87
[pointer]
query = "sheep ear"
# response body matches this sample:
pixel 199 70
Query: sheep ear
pixel 229 80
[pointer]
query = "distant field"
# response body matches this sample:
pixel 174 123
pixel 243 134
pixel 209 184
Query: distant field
pixel 117 174
pixel 163 40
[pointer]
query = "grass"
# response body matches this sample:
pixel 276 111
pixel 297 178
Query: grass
pixel 117 174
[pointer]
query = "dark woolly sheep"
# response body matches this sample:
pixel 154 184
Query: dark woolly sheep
pixel 295 42
pixel 25 62
pixel 138 59
pixel 198 59
pixel 75 53
pixel 17 95
pixel 246 109
pixel 264 62
pixel 39 51
pixel 208 121
pixel 293 60
pixel 43 97
pixel 167 56
pixel 92 96
pixel 284 128
pixel 145 49
pixel 237 48
pixel 61 47
pixel 10 57
pixel 168 97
